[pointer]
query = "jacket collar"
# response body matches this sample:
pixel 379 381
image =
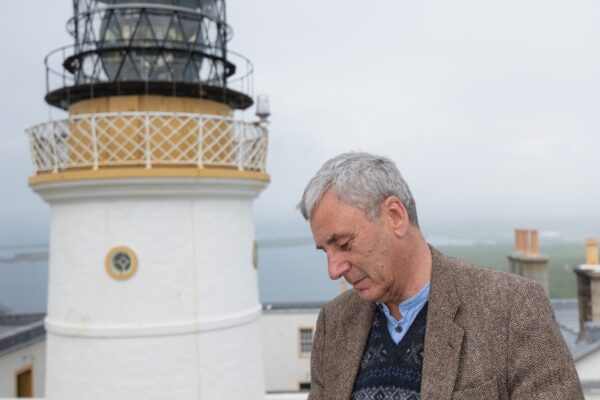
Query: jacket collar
pixel 355 339
pixel 443 337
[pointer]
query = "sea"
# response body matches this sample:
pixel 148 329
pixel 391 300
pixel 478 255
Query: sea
pixel 294 271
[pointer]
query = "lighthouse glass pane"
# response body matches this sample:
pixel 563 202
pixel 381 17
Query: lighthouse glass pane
pixel 178 66
pixel 111 30
pixel 127 21
pixel 129 71
pixel 144 35
pixel 190 29
pixel 160 24
pixel 210 8
pixel 175 32
pixel 147 63
pixel 111 63
pixel 160 70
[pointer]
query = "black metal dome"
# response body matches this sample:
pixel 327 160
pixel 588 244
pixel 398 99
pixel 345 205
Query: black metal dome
pixel 166 47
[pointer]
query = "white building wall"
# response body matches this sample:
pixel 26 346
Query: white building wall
pixel 11 363
pixel 591 394
pixel 285 366
pixel 588 369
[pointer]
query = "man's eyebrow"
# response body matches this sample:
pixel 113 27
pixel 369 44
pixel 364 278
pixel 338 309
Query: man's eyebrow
pixel 334 238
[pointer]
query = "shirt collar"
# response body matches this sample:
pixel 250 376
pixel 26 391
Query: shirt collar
pixel 417 299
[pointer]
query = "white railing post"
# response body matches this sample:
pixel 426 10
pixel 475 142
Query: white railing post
pixel 240 130
pixel 148 147
pixel 200 141
pixel 95 143
pixel 54 150
pixel 265 148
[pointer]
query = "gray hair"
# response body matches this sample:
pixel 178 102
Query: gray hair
pixel 361 180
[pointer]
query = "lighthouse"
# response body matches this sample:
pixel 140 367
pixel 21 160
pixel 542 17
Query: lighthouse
pixel 151 179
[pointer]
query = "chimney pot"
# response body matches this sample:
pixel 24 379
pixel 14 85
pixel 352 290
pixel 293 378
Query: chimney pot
pixel 520 240
pixel 526 248
pixel 534 241
pixel 591 251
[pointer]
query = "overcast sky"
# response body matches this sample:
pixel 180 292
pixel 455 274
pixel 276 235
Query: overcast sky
pixel 489 108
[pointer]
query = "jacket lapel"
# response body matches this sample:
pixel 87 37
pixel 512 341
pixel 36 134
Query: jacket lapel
pixel 351 344
pixel 443 337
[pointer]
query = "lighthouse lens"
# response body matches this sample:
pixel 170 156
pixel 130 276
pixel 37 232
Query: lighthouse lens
pixel 140 44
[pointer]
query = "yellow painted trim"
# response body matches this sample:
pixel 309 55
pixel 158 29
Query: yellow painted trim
pixel 149 103
pixel 121 173
pixel 28 367
pixel 114 274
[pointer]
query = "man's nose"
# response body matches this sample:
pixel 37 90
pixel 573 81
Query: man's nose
pixel 336 266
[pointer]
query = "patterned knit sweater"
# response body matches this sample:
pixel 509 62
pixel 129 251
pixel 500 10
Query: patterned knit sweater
pixel 389 370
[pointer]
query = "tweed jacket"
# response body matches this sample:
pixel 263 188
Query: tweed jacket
pixel 490 335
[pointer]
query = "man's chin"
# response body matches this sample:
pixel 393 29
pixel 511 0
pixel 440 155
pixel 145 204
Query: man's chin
pixel 366 294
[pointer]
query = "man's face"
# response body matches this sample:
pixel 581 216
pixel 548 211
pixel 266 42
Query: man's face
pixel 357 249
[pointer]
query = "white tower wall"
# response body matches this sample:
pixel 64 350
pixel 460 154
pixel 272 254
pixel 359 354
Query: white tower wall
pixel 186 325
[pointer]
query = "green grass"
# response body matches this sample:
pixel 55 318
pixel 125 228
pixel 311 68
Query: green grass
pixel 561 255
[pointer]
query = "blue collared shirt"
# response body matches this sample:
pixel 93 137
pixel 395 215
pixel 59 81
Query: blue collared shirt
pixel 409 309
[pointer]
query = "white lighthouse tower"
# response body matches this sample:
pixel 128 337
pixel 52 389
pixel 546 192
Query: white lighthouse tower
pixel 151 180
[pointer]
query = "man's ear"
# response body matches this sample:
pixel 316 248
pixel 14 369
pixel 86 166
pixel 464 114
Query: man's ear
pixel 394 215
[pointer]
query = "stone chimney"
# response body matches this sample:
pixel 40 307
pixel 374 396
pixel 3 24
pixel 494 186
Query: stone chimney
pixel 588 293
pixel 526 260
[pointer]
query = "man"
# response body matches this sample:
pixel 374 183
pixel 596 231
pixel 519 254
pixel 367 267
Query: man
pixel 418 324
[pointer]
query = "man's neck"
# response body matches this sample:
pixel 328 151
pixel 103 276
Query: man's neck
pixel 415 272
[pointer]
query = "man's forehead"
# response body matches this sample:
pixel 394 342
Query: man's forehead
pixel 331 203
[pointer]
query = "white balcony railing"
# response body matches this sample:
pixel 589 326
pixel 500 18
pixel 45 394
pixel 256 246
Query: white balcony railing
pixel 147 140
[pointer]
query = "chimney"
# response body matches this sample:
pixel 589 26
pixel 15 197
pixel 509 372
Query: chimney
pixel 526 260
pixel 534 247
pixel 588 293
pixel 591 251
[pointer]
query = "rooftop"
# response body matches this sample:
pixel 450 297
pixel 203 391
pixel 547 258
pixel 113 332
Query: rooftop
pixel 566 312
pixel 20 330
pixel 293 307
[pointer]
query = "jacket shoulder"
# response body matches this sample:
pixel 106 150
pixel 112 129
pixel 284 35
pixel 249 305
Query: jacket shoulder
pixel 479 282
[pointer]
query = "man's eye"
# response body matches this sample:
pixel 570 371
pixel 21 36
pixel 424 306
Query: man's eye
pixel 345 246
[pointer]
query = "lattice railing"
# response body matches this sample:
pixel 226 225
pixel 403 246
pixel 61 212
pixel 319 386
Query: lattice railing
pixel 147 139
